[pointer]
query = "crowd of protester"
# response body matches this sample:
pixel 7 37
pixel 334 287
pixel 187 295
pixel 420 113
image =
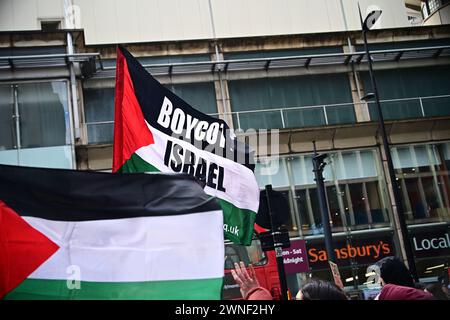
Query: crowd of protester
pixel 395 280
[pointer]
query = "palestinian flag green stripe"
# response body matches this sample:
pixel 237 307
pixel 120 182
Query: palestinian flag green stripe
pixel 240 219
pixel 38 289
pixel 136 164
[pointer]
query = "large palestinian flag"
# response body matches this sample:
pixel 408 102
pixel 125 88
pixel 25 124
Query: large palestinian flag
pixel 82 235
pixel 155 130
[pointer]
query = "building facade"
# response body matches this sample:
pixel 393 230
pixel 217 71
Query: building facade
pixel 304 77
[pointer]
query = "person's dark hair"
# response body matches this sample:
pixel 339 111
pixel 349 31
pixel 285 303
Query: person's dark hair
pixel 394 271
pixel 322 290
pixel 436 290
pixel 420 285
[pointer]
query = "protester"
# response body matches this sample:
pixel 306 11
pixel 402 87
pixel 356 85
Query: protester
pixel 249 284
pixel 320 290
pixel 397 282
pixel 312 290
pixel 436 289
pixel 394 271
pixel 396 292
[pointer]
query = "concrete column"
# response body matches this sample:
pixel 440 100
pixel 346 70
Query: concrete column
pixel 222 94
pixel 361 108
pixel 357 90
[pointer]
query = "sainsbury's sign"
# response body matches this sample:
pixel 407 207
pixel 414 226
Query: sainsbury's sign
pixel 362 251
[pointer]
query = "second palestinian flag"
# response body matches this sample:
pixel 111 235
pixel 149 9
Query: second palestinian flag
pixel 155 130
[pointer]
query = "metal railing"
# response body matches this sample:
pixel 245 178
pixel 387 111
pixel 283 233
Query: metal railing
pixel 288 117
pixel 291 117
pixel 44 60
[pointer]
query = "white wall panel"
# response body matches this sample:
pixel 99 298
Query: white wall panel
pixel 125 21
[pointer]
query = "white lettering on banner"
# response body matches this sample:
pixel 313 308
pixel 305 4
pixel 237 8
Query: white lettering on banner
pixel 433 243
pixel 164 114
pixel 293 260
pixel 294 251
pixel 177 119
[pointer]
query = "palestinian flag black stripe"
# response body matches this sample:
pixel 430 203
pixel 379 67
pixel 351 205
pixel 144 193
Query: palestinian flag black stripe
pixel 67 195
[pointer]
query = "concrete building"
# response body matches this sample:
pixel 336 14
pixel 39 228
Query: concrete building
pixel 298 67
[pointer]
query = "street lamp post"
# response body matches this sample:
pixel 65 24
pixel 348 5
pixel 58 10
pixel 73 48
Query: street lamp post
pixel 366 25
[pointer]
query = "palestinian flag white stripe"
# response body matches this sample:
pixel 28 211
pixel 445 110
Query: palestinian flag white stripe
pixel 239 181
pixel 135 249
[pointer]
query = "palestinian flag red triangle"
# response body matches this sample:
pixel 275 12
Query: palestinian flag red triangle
pixel 22 249
pixel 130 129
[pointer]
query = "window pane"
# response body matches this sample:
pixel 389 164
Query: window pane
pixel 304 117
pixel 378 211
pixel 272 171
pixel 359 202
pixel 354 191
pixel 99 107
pixel 333 204
pixel 436 106
pixel 412 83
pixel 393 110
pixel 7 124
pixel 200 96
pixel 44 117
pixel 291 92
pixel 341 114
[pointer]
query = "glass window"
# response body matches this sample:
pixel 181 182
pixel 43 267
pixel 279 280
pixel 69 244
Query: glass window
pixel 355 190
pixel 335 206
pixel 200 96
pixel 423 179
pixel 430 82
pixel 43 125
pixel 235 253
pixel 7 123
pixel 434 5
pixel 288 94
pixel 44 115
pixel 99 113
pixel 272 171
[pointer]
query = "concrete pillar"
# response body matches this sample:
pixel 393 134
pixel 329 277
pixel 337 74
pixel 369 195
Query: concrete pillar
pixel 361 108
pixel 222 94
pixel 357 89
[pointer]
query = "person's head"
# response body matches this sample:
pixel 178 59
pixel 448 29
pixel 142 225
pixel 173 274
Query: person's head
pixel 436 290
pixel 394 271
pixel 320 290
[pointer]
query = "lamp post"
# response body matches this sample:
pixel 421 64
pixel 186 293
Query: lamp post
pixel 318 166
pixel 370 20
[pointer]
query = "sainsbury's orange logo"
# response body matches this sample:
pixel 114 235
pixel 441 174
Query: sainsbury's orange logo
pixel 373 251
